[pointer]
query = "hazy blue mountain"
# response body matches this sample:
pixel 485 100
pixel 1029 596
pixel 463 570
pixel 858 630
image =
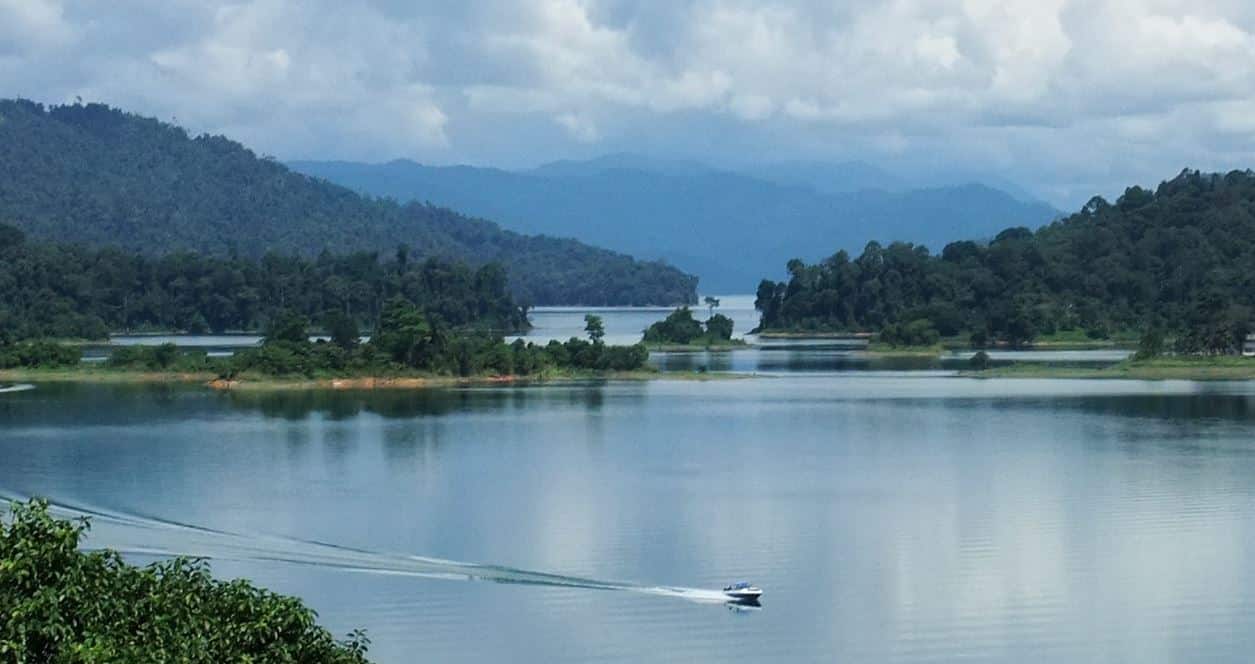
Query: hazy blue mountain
pixel 728 228
pixel 626 161
pixel 829 178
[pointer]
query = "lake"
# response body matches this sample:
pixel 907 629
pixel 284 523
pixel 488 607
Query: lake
pixel 889 516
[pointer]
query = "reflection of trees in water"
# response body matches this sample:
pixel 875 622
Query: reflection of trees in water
pixel 339 405
pixel 1189 409
pixel 695 361
pixel 69 403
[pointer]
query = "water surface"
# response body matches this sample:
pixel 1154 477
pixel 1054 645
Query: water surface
pixel 889 517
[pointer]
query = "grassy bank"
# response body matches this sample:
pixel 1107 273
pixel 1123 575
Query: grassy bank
pixel 102 374
pixel 1165 368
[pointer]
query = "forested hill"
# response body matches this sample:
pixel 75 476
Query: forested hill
pixel 1180 258
pixel 71 291
pixel 729 228
pixel 94 174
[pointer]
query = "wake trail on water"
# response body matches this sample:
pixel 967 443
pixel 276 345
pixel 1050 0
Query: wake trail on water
pixel 20 387
pixel 152 536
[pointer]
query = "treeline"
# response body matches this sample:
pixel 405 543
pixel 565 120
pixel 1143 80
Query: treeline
pixel 406 341
pixel 95 175
pixel 1180 260
pixel 68 291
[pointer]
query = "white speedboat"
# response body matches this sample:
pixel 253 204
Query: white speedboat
pixel 743 592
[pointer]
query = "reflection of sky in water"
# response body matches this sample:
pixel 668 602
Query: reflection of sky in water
pixel 625 325
pixel 888 518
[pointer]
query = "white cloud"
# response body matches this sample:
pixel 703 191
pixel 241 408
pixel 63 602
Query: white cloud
pixel 1027 83
pixel 33 24
pixel 579 127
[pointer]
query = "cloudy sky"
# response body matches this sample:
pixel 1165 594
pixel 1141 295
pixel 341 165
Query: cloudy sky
pixel 1068 98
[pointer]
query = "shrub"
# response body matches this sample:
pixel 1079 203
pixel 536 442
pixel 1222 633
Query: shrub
pixel 919 332
pixel 39 355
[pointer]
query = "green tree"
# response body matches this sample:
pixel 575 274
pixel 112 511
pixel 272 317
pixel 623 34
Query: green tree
pixel 719 327
pixel 343 330
pixel 712 303
pixel 406 335
pixel 287 326
pixel 1151 345
pixel 595 328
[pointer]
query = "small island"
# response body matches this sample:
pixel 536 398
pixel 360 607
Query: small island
pixel 680 331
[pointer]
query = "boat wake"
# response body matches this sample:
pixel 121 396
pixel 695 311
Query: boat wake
pixel 20 387
pixel 155 537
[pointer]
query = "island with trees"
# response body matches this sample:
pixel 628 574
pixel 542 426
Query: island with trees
pixel 681 331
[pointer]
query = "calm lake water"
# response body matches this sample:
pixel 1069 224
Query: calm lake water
pixel 888 516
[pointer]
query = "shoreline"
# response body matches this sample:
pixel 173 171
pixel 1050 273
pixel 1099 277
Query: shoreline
pixel 785 334
pixel 1196 369
pixel 693 348
pixel 246 382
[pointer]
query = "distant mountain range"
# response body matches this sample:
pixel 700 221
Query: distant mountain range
pixel 96 175
pixel 730 228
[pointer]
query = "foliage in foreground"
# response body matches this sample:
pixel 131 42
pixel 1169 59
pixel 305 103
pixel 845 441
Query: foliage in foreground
pixel 59 604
